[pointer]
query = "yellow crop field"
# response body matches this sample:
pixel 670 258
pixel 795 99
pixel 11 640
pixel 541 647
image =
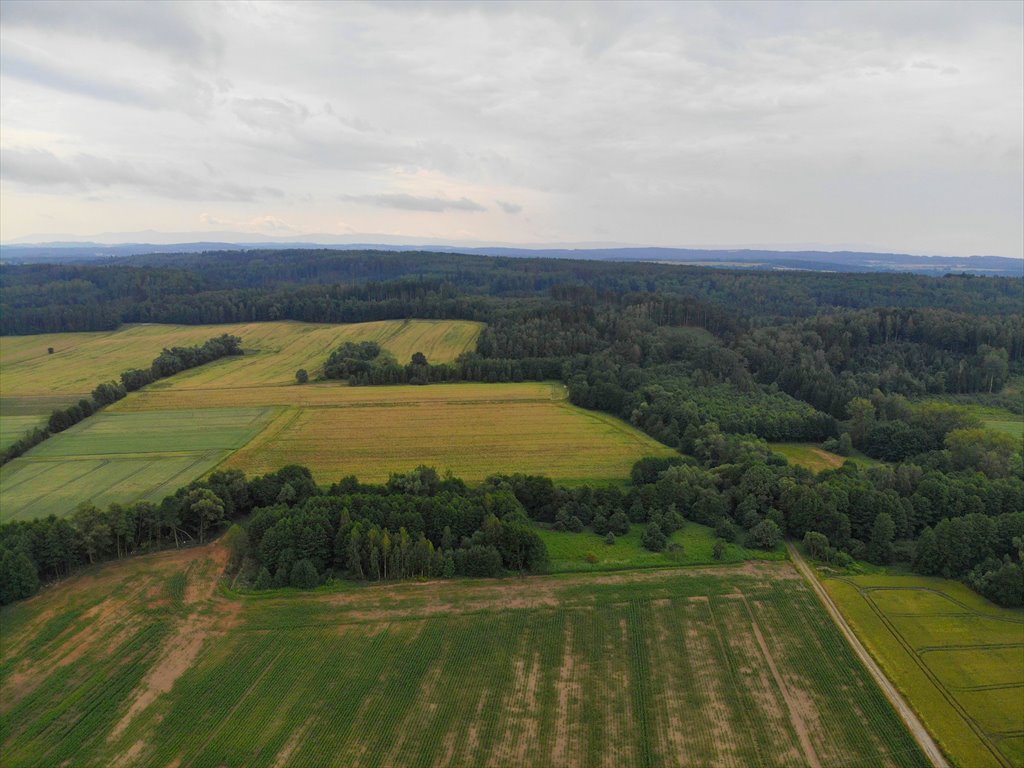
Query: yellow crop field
pixel 957 658
pixel 274 351
pixel 337 394
pixel 471 429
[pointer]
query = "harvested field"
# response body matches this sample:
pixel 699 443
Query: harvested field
pixel 274 351
pixel 473 429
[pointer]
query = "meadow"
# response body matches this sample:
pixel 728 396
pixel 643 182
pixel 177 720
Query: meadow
pixel 123 457
pixel 957 659
pixel 993 416
pixel 150 663
pixel 273 352
pixel 816 458
pixel 694 545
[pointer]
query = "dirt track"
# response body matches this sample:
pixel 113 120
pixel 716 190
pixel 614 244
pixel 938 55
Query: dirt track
pixel 909 717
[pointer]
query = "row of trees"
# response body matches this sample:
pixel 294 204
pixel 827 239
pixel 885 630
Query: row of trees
pixel 167 363
pixel 954 521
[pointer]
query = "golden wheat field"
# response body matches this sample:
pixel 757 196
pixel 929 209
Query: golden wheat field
pixel 274 351
pixel 472 429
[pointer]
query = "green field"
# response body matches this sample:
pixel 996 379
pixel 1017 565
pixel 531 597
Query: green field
pixel 123 457
pixel 582 552
pixel 958 660
pixel 993 416
pixel 148 663
pixel 472 429
pixel 274 351
pixel 13 427
pixel 154 441
pixel 816 458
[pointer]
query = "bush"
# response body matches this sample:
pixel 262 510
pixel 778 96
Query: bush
pixel 609 539
pixel 765 535
pixel 653 538
pixel 263 580
pixel 301 376
pixel 718 551
pixel 725 530
pixel 304 575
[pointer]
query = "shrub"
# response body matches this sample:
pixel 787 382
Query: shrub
pixel 304 575
pixel 653 538
pixel 765 535
pixel 263 580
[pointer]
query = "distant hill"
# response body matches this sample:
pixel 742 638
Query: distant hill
pixel 818 261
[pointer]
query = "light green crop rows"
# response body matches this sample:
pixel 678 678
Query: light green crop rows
pixel 123 457
pixel 735 666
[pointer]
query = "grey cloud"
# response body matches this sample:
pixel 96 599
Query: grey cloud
pixel 667 123
pixel 42 170
pixel 270 114
pixel 183 91
pixel 51 76
pixel 404 202
pixel 509 207
pixel 173 28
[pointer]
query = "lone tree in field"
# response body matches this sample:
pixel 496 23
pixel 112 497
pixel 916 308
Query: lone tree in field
pixel 301 376
pixel 49 350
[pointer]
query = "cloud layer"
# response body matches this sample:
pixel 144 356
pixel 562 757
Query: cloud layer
pixel 896 126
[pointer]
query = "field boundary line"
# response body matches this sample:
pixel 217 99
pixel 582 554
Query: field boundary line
pixel 967 608
pixel 274 426
pixel 917 729
pixel 915 655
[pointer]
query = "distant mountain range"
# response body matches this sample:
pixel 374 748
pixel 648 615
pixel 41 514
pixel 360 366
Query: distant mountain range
pixel 742 258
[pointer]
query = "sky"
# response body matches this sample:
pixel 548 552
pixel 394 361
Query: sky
pixel 889 126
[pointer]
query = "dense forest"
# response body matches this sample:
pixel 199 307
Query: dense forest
pixel 711 362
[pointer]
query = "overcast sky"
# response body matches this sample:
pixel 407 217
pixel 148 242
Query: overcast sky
pixel 890 126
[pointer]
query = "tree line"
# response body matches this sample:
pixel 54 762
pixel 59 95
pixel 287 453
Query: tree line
pixel 167 363
pixel 353 286
pixel 935 513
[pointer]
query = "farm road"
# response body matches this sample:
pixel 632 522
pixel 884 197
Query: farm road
pixel 917 729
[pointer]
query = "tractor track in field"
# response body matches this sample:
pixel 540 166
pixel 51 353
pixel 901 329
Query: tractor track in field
pixel 924 739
